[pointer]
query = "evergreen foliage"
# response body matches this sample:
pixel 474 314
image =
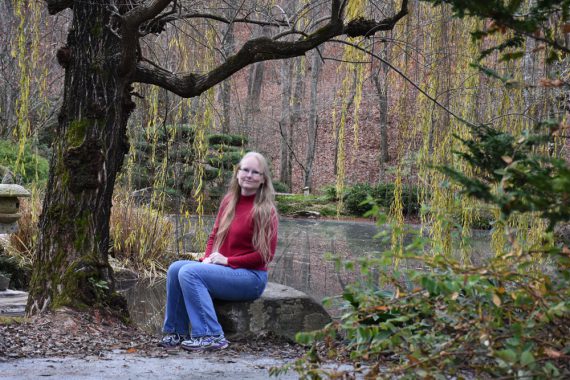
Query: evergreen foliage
pixel 355 198
pixel 35 167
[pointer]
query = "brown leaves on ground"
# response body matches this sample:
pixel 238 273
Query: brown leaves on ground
pixel 71 333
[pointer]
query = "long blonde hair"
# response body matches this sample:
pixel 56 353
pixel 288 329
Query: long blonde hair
pixel 263 212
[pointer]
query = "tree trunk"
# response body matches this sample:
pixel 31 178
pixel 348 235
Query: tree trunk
pixel 9 66
pixel 72 267
pixel 285 120
pixel 312 124
pixel 256 75
pixel 225 86
pixel 380 78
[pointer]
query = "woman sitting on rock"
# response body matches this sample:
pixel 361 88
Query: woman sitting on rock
pixel 234 267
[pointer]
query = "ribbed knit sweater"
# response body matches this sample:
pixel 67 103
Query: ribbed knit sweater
pixel 238 244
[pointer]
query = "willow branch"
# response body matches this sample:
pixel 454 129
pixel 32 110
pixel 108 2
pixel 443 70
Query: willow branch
pixel 399 72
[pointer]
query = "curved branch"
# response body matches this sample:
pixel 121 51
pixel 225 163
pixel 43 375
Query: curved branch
pixel 144 12
pixel 366 28
pixel 256 50
pixel 260 49
pixel 157 25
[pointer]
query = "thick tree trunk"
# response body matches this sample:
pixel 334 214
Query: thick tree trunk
pixel 72 267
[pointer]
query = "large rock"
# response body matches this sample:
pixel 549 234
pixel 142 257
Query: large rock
pixel 280 310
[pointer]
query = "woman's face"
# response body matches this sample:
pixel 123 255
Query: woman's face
pixel 250 175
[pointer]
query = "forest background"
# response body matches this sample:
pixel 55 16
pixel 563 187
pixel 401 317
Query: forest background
pixel 312 116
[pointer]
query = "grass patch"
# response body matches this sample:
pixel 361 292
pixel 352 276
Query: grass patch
pixel 12 320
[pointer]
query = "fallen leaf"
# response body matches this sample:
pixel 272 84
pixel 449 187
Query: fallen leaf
pixel 496 300
pixel 553 354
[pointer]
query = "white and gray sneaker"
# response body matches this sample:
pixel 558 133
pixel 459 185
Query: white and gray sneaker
pixel 205 343
pixel 171 341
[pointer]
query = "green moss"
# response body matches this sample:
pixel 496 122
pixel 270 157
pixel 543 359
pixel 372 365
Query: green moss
pixel 82 227
pixel 97 30
pixel 76 132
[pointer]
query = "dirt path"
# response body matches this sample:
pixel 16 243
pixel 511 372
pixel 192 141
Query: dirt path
pixel 127 366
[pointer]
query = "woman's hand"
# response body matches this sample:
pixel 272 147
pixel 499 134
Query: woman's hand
pixel 216 258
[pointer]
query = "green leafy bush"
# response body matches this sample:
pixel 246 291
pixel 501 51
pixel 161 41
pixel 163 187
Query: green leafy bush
pixel 35 167
pixel 508 317
pixel 226 160
pixel 280 187
pixel 383 194
pixel 223 139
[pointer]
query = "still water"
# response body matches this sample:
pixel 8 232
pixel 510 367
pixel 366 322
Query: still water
pixel 300 262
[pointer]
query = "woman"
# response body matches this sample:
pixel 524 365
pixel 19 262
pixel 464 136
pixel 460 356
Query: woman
pixel 234 267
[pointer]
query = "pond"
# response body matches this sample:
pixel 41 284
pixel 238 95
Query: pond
pixel 300 262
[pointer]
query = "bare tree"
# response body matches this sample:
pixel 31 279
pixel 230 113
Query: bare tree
pixel 102 60
pixel 285 122
pixel 312 123
pixel 256 76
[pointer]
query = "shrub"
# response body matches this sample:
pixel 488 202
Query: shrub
pixel 383 195
pixel 226 160
pixel 329 191
pixel 35 167
pixel 141 236
pixel 508 317
pixel 232 140
pixel 280 187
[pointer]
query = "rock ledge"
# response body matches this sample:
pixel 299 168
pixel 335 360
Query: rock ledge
pixel 281 310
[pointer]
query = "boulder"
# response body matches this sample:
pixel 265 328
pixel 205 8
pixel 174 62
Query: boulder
pixel 281 310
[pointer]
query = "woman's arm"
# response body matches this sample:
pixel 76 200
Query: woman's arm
pixel 212 237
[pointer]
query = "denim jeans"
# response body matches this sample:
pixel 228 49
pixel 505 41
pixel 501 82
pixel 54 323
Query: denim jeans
pixel 191 286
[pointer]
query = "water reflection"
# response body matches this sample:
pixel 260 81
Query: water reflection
pixel 299 262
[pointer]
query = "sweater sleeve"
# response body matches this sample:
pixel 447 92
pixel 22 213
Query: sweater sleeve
pixel 254 259
pixel 212 237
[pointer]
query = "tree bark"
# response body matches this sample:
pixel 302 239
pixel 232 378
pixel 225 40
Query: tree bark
pixel 72 267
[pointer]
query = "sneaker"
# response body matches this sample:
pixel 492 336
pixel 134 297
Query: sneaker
pixel 205 343
pixel 171 341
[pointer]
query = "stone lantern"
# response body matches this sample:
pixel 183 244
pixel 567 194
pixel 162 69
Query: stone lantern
pixel 9 207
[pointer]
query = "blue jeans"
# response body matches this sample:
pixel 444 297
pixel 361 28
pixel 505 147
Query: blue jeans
pixel 191 286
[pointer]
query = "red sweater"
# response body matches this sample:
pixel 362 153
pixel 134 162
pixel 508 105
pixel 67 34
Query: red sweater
pixel 238 244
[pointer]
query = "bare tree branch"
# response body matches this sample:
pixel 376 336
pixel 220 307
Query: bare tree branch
pixel 144 12
pixel 261 49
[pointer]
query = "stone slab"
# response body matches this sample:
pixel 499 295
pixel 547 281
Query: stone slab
pixel 13 302
pixel 281 310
